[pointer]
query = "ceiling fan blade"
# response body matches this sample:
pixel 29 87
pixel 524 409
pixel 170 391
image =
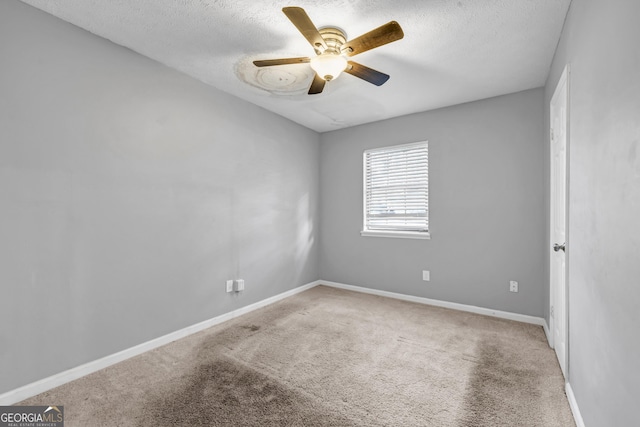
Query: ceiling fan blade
pixel 382 35
pixel 271 62
pixel 303 23
pixel 366 73
pixel 317 85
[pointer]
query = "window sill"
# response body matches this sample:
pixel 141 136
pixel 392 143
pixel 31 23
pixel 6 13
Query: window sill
pixel 396 234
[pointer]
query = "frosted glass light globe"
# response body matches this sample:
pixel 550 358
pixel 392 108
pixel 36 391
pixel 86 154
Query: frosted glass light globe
pixel 329 65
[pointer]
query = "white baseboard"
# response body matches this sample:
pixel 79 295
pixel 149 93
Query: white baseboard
pixel 547 333
pixel 30 390
pixel 445 304
pixel 573 404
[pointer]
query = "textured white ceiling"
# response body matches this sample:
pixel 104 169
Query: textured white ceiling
pixel 454 51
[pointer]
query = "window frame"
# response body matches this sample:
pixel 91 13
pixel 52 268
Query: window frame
pixel 366 232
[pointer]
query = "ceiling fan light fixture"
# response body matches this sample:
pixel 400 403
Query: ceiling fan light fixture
pixel 329 65
pixel 332 49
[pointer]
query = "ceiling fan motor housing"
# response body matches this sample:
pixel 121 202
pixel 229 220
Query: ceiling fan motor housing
pixel 334 38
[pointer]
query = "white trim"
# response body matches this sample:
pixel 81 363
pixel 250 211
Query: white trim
pixel 573 404
pixel 396 234
pixel 547 333
pixel 30 390
pixel 452 305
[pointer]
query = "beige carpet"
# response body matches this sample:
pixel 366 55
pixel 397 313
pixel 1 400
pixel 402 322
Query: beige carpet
pixel 328 357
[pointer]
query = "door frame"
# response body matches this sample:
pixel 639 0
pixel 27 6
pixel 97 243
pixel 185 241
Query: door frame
pixel 564 80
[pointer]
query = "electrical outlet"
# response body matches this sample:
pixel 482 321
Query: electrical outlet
pixel 229 285
pixel 239 285
pixel 513 286
pixel 426 275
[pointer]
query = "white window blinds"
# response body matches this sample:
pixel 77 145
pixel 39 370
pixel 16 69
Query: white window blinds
pixel 396 188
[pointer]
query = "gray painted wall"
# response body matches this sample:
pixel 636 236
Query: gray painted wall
pixel 129 193
pixel 486 200
pixel 600 42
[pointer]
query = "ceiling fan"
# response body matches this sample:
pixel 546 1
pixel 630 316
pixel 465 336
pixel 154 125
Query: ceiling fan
pixel 332 49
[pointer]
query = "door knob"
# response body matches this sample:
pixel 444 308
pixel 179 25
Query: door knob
pixel 557 247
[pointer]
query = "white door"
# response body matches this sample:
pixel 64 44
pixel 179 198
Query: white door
pixel 558 221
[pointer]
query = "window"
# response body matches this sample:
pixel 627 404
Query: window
pixel 396 191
